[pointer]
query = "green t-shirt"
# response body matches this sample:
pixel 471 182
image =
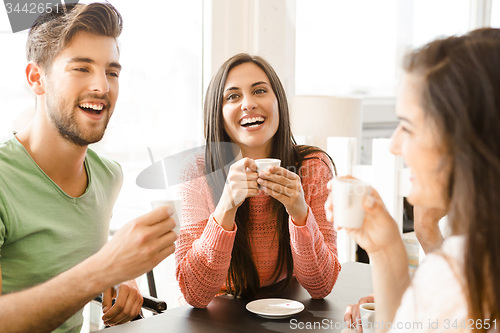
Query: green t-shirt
pixel 44 231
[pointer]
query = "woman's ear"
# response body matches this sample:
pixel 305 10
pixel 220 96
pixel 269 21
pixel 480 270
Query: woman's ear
pixel 34 74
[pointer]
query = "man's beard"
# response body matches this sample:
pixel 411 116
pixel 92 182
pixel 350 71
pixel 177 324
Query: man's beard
pixel 69 130
pixel 68 126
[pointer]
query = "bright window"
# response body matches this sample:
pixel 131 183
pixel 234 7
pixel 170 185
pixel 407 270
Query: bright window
pixel 355 47
pixel 433 19
pixel 495 14
pixel 159 105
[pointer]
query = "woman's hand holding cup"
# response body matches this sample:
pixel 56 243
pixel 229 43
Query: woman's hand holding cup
pixel 286 187
pixel 352 314
pixel 378 228
pixel 241 183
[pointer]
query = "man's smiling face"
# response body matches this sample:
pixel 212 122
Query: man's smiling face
pixel 82 88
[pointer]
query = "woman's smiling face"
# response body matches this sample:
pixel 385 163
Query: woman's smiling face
pixel 250 110
pixel 418 141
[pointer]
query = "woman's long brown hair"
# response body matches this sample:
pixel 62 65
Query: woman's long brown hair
pixel 461 95
pixel 242 278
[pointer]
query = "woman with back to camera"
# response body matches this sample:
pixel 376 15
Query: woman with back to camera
pixel 246 230
pixel 449 111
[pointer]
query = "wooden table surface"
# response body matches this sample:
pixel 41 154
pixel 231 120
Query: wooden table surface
pixel 225 314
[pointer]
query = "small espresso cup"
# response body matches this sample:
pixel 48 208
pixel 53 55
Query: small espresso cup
pixel 367 312
pixel 348 196
pixel 264 163
pixel 176 204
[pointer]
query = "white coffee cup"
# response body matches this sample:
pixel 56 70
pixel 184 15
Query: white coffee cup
pixel 367 312
pixel 348 196
pixel 264 163
pixel 176 204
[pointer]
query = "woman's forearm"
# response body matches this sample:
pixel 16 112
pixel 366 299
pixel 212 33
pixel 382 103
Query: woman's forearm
pixel 316 264
pixel 426 224
pixel 202 264
pixel 429 239
pixel 225 217
pixel 390 280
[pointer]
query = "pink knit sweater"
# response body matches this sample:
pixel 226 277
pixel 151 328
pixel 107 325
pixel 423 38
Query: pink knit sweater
pixel 203 248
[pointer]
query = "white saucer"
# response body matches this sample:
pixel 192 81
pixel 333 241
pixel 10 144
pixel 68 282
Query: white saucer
pixel 275 308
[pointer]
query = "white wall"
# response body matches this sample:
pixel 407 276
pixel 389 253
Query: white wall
pixel 259 27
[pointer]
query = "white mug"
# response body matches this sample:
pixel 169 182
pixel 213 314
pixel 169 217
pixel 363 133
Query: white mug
pixel 348 196
pixel 264 163
pixel 367 312
pixel 176 204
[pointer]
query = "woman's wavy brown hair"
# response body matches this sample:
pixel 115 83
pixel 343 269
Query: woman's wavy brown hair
pixel 461 95
pixel 242 278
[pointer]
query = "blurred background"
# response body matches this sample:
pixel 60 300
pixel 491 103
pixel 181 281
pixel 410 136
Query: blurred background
pixel 170 49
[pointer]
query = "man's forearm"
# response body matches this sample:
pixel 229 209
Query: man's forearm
pixel 45 307
pixel 135 249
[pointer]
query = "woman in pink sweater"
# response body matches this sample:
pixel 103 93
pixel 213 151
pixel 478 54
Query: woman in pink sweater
pixel 242 230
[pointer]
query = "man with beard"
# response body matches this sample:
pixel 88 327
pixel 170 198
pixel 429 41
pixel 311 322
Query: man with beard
pixel 56 195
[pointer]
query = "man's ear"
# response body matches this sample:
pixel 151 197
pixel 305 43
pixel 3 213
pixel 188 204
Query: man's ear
pixel 34 74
